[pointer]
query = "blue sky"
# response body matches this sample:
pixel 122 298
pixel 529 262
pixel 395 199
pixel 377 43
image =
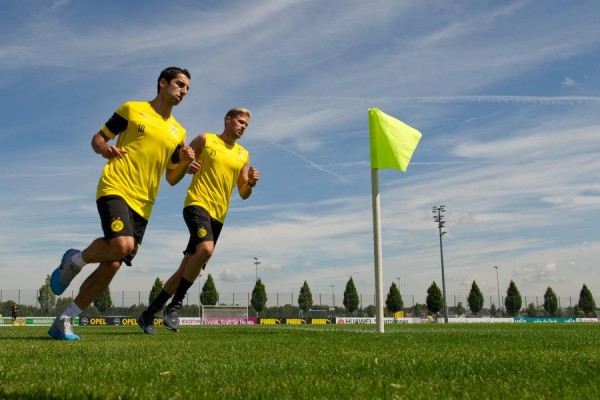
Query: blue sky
pixel 506 95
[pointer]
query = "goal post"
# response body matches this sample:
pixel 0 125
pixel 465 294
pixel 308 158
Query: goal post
pixel 224 315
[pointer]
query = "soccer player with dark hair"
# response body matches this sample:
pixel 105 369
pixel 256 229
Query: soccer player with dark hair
pixel 149 141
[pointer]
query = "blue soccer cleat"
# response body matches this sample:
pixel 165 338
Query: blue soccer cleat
pixel 62 329
pixel 64 273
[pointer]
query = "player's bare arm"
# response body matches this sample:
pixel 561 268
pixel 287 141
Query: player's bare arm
pixel 197 144
pixel 101 146
pixel 186 156
pixel 247 180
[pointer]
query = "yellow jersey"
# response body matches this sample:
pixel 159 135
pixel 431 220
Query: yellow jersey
pixel 211 187
pixel 150 141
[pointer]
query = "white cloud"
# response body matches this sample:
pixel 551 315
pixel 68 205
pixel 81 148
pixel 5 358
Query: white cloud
pixel 230 276
pixel 568 82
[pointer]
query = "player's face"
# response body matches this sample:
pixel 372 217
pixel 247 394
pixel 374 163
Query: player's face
pixel 176 89
pixel 237 125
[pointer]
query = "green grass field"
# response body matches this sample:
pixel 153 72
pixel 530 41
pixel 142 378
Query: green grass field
pixel 483 361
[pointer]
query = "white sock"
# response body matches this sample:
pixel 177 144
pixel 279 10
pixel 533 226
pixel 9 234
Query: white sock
pixel 72 311
pixel 78 260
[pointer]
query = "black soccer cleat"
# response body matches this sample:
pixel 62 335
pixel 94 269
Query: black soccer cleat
pixel 146 322
pixel 171 319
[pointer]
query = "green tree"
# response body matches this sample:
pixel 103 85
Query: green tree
pixel 513 301
pixel 104 302
pixel 531 310
pixel 209 295
pixel 434 299
pixel 288 311
pixel 259 297
pixel 155 291
pixel 418 309
pixel 5 307
pixel 305 300
pixel 460 309
pixel 494 312
pixel 46 298
pixel 475 299
pixel 586 303
pixel 63 302
pixel 394 302
pixel 351 299
pixel 550 302
pixel 370 310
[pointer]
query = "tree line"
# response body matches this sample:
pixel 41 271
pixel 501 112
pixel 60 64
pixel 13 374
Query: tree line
pixel 434 304
pixel 513 303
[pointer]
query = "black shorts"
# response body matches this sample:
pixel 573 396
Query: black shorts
pixel 202 227
pixel 118 219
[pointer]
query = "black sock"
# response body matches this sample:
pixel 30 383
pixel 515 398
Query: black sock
pixel 158 302
pixel 179 295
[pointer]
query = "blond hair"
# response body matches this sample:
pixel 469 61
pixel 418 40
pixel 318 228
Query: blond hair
pixel 234 112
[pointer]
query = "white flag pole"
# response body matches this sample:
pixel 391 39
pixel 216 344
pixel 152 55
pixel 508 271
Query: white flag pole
pixel 377 248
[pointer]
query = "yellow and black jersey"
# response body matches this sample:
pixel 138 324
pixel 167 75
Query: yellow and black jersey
pixel 211 187
pixel 151 142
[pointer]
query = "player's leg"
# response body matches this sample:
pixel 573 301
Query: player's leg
pixel 204 232
pixel 165 294
pixel 91 288
pixel 195 263
pixel 146 319
pixel 96 283
pixel 124 235
pixel 171 284
pixel 118 241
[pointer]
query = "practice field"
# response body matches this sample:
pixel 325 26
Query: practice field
pixel 429 361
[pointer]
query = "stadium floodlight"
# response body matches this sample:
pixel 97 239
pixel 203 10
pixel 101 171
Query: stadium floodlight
pixel 439 218
pixel 256 262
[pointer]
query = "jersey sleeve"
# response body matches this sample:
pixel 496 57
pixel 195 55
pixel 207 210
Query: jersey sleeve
pixel 117 123
pixel 176 157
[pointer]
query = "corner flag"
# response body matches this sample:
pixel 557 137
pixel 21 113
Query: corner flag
pixel 392 141
pixel 392 145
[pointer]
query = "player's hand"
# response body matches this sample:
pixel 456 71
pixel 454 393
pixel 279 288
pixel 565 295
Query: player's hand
pixel 194 167
pixel 110 152
pixel 186 153
pixel 253 176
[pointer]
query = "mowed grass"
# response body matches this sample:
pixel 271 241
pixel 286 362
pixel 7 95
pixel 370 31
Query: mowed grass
pixel 429 361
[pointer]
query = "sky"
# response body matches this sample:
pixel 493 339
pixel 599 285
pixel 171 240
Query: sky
pixel 505 94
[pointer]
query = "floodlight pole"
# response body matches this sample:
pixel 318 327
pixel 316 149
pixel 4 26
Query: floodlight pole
pixel 256 262
pixel 498 285
pixel 439 218
pixel 333 299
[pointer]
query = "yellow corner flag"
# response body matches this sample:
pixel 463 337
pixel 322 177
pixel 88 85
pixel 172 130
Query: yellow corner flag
pixel 392 141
